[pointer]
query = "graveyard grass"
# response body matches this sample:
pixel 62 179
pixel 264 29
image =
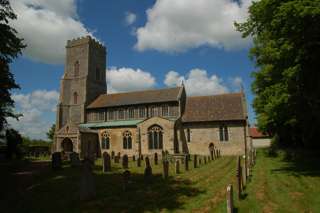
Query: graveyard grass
pixel 276 185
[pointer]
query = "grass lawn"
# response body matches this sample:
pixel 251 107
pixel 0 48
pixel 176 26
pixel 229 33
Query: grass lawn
pixel 36 188
pixel 280 185
pixel 276 185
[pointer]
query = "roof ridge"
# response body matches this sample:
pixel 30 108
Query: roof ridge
pixel 224 94
pixel 148 90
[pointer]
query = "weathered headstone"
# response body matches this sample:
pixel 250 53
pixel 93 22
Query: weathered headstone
pixel 211 154
pixel 87 184
pixel 200 161
pixel 195 161
pixel 125 161
pixel 205 159
pixel 229 199
pixel 74 159
pixel 141 157
pixel 155 158
pixel 165 169
pixel 239 174
pixel 126 177
pixel 214 155
pixel 177 166
pixel 186 162
pixel 133 158
pixel 56 160
pixel 112 154
pixel 217 153
pixel 106 162
pixel 147 170
pixel 139 162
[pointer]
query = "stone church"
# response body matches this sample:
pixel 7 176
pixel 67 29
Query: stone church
pixel 91 121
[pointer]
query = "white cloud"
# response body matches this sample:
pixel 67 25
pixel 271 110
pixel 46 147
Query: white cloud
pixel 46 26
pixel 130 18
pixel 37 108
pixel 236 82
pixel 197 82
pixel 128 79
pixel 178 25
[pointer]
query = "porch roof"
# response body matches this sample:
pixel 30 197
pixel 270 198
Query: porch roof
pixel 111 124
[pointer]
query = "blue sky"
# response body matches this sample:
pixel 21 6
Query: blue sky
pixel 150 44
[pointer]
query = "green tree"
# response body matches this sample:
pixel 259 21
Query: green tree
pixel 10 48
pixel 286 51
pixel 51 131
pixel 13 139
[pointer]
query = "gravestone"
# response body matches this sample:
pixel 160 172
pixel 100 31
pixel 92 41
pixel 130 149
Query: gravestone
pixel 141 156
pixel 177 166
pixel 211 154
pixel 147 170
pixel 112 155
pixel 200 161
pixel 229 199
pixel 205 159
pixel 87 184
pixel 186 162
pixel 217 154
pixel 155 158
pixel 126 178
pixel 165 169
pixel 214 155
pixel 106 163
pixel 139 161
pixel 56 160
pixel 74 159
pixel 133 158
pixel 125 162
pixel 195 161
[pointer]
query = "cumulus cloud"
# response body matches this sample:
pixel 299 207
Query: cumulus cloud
pixel 38 110
pixel 174 26
pixel 236 82
pixel 46 26
pixel 197 82
pixel 130 18
pixel 128 79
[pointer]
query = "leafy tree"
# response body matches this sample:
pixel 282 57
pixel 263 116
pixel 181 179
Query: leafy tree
pixel 10 48
pixel 286 51
pixel 14 139
pixel 51 131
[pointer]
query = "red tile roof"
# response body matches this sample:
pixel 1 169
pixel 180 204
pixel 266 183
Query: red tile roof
pixel 255 133
pixel 225 107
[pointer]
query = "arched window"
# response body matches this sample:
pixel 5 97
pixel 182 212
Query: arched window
pixel 127 140
pixel 97 74
pixel 75 98
pixel 76 68
pixel 105 143
pixel 155 137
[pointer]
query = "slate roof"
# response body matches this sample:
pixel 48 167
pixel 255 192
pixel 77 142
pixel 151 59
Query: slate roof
pixel 137 97
pixel 225 107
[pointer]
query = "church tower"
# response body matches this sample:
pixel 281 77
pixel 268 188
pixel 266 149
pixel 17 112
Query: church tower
pixel 83 80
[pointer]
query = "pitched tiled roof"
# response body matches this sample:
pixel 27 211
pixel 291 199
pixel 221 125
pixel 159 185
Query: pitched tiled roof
pixel 138 97
pixel 255 133
pixel 215 108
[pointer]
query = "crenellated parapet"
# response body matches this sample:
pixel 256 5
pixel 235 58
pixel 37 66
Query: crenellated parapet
pixel 85 40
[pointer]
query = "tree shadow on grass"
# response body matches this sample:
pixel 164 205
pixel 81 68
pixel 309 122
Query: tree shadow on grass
pixel 300 163
pixel 58 191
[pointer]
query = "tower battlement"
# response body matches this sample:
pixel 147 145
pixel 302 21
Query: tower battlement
pixel 85 40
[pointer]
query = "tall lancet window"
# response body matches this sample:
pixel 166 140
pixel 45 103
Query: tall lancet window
pixel 75 98
pixel 76 69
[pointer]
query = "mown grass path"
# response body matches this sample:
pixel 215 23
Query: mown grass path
pixel 280 185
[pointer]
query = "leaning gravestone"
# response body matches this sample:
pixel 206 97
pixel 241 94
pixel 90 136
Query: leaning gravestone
pixel 177 166
pixel 195 161
pixel 155 158
pixel 139 162
pixel 106 163
pixel 87 184
pixel 147 171
pixel 56 160
pixel 125 162
pixel 186 162
pixel 74 159
pixel 126 177
pixel 165 169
